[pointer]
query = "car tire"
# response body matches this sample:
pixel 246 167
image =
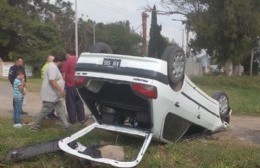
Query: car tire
pixel 100 47
pixel 224 107
pixel 176 62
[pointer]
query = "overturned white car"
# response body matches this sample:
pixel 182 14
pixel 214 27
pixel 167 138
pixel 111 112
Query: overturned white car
pixel 145 97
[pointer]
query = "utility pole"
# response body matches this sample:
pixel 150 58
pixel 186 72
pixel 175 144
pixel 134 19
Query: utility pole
pixel 94 33
pixel 187 43
pixel 251 62
pixel 144 26
pixel 76 29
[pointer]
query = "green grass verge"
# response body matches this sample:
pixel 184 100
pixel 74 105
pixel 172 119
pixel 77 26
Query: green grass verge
pixel 33 84
pixel 196 153
pixel 3 80
pixel 243 92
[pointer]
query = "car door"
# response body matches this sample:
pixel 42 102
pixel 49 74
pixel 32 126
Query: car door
pixel 179 117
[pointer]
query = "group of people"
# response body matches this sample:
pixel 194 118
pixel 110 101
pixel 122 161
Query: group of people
pixel 58 82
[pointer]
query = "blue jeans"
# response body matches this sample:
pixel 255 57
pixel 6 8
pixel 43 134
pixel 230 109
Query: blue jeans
pixel 18 103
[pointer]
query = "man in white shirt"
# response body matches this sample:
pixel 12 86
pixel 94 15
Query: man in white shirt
pixel 52 93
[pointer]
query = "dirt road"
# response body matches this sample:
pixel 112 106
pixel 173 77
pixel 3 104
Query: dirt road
pixel 33 102
pixel 242 129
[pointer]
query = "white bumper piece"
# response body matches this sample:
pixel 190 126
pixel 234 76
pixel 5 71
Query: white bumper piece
pixel 64 144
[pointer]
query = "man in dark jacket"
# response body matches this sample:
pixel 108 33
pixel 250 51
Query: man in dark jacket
pixel 18 66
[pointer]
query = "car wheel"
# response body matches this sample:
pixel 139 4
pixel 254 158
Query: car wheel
pixel 176 63
pixel 100 47
pixel 224 108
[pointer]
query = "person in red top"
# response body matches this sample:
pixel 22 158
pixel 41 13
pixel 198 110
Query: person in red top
pixel 74 104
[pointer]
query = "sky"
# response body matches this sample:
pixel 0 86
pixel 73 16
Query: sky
pixel 108 11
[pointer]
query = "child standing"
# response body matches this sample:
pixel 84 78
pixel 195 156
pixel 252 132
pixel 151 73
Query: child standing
pixel 18 94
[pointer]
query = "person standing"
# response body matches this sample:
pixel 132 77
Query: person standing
pixel 18 66
pixel 50 59
pixel 43 70
pixel 18 94
pixel 74 104
pixel 52 93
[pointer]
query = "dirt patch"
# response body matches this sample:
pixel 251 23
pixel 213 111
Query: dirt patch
pixel 242 129
pixel 33 101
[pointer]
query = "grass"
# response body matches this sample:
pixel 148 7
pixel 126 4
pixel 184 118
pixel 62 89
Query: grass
pixel 243 92
pixel 33 84
pixel 3 80
pixel 195 153
pixel 244 98
pixel 198 154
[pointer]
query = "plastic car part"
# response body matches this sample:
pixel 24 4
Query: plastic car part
pixel 64 144
pixel 32 150
pixel 145 90
pixel 80 81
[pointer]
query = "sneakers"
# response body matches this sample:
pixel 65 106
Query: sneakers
pixel 18 125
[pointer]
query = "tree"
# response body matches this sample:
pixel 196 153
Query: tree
pixel 35 28
pixel 121 38
pixel 85 34
pixel 10 28
pixel 157 42
pixel 232 27
pixel 24 33
pixel 65 21
pixel 226 29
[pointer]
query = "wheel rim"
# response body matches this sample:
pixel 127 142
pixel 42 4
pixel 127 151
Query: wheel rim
pixel 178 65
pixel 223 104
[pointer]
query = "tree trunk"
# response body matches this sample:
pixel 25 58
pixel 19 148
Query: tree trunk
pixel 228 67
pixel 251 63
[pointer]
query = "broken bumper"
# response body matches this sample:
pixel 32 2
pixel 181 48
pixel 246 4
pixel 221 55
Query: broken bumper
pixel 64 144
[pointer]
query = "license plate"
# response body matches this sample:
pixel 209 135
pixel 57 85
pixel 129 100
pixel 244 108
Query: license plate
pixel 111 62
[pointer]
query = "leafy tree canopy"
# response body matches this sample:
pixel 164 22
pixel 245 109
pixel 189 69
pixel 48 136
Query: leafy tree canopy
pixel 157 42
pixel 227 29
pixel 34 29
pixel 24 33
pixel 121 38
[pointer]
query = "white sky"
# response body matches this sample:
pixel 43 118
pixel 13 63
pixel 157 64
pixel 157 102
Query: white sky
pixel 120 10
